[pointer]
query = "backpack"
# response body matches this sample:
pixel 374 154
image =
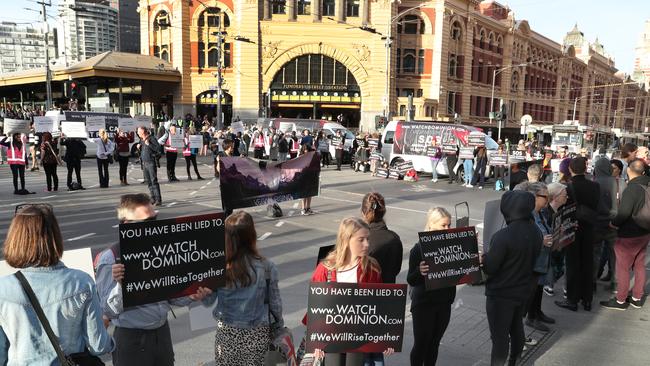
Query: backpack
pixel 115 249
pixel 273 210
pixel 642 217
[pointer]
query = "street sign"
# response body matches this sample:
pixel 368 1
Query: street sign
pixel 526 119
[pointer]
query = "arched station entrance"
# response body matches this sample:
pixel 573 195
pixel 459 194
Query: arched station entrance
pixel 206 104
pixel 316 86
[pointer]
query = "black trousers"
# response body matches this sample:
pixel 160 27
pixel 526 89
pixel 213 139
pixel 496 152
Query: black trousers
pixel 150 174
pixel 506 328
pixel 451 163
pixel 191 159
pixel 429 325
pixel 124 163
pixel 325 158
pixel 143 347
pixel 171 164
pixel 535 301
pixel 76 166
pixel 18 171
pixel 102 169
pixel 339 158
pixel 258 152
pixel 50 176
pixel 579 266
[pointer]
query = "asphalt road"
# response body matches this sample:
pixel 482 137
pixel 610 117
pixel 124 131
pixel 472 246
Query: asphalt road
pixel 88 219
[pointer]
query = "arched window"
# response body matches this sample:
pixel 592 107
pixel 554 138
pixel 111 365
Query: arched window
pixel 514 81
pixel 315 69
pixel 162 35
pixel 212 20
pixel 456 31
pixel 453 66
pixel 491 42
pixel 481 39
pixel 411 24
pixel 408 61
pixel 499 45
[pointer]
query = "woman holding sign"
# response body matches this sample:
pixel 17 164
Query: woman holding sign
pixel 17 158
pixel 50 160
pixel 349 262
pixel 105 149
pixel 431 310
pixel 249 308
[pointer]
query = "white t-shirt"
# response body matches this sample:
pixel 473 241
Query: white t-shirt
pixel 347 276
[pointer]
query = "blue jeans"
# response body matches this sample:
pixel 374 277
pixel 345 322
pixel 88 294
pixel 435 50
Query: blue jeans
pixel 434 165
pixel 468 167
pixel 373 359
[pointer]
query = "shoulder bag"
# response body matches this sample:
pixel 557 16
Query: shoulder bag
pixel 76 359
pixel 58 158
pixel 108 156
pixel 280 351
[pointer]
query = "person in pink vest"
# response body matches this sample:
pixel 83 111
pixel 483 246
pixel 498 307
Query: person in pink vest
pixel 189 152
pixel 17 158
pixel 171 153
pixel 258 145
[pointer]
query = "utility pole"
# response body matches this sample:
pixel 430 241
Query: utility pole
pixel 48 76
pixel 219 78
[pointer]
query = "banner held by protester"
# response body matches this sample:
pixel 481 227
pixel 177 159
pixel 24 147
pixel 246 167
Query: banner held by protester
pixel 166 259
pixel 565 225
pixel 12 126
pixel 355 317
pixel 452 256
pixel 247 183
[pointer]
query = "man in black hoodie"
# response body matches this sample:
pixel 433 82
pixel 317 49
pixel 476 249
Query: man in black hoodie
pixel 509 265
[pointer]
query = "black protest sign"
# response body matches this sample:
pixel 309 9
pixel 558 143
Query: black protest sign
pixel 382 173
pixel 449 149
pixel 466 153
pixel 393 174
pixel 373 142
pixel 517 156
pixel 476 140
pixel 355 317
pixel 376 156
pixel 565 225
pixel 405 166
pixel 498 159
pixel 452 257
pixel 337 141
pixel 166 259
pixel 433 151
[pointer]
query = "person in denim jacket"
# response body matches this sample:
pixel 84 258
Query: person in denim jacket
pixel 243 329
pixel 68 296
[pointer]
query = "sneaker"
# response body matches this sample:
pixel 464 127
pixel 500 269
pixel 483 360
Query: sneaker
pixel 548 290
pixel 434 180
pixel 564 293
pixel 304 212
pixel 309 211
pixel 635 303
pixel 480 187
pixel 613 304
pixel 530 341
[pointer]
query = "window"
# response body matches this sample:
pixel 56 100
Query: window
pixel 421 62
pixel 408 64
pixel 407 91
pixel 456 31
pixel 304 7
pixel 479 71
pixel 419 93
pixel 402 110
pixel 278 6
pixel 211 21
pixel 314 69
pixel 329 7
pixel 451 102
pixel 453 66
pixel 161 35
pixel 352 8
pixel 411 24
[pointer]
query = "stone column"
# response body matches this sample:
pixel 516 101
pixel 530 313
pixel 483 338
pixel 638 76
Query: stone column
pixel 267 9
pixel 316 10
pixel 365 12
pixel 290 7
pixel 340 11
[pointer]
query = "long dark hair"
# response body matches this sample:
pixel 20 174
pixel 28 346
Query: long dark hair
pixel 241 247
pixel 373 207
pixel 17 141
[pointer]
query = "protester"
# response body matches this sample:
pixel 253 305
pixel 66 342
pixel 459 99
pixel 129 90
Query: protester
pixel 295 145
pixel 122 141
pixel 516 176
pixel 632 240
pixel 17 159
pixel 557 197
pixel 243 331
pixel 499 172
pixel 67 296
pixel 75 150
pixel 628 153
pixel 579 255
pixel 564 175
pixel 50 160
pixel 339 143
pixel 435 159
pixel 171 153
pixel 34 140
pixel 385 245
pixel 452 159
pixel 534 173
pixel 323 148
pixel 479 169
pixel 258 145
pixel 509 265
pixel 142 335
pixel 604 235
pixel 104 154
pixel 150 151
pixel 283 147
pixel 535 315
pixel 206 138
pixel 273 140
pixel 468 169
pixel 431 310
pixel 349 262
pixel 189 153
pixel 306 141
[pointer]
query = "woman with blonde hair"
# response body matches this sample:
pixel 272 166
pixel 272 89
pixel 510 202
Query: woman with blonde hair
pixel 349 262
pixel 431 310
pixel 105 149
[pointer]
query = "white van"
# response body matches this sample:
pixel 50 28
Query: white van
pixel 408 141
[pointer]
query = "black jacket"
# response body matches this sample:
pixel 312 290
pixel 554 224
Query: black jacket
pixel 386 248
pixel 631 202
pixel 149 153
pixel 584 192
pixel 75 149
pixel 419 294
pixel 513 250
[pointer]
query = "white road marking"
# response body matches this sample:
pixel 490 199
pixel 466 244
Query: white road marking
pixel 81 237
pixel 171 204
pixel 193 193
pixel 264 236
pixel 202 187
pixel 94 186
pixel 280 223
pixel 47 197
pixel 210 182
pixel 18 203
pixel 115 226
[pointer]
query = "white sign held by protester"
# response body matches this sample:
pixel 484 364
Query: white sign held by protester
pixel 196 141
pixel 176 141
pixel 95 123
pixel 80 259
pixel 128 124
pixel 12 126
pixel 74 129
pixel 46 124
pixel 237 127
pixel 143 120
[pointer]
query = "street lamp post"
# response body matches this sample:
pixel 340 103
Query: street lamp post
pixel 494 76
pixel 389 41
pixel 575 104
pixel 48 76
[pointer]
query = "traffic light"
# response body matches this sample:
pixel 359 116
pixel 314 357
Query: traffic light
pixel 74 89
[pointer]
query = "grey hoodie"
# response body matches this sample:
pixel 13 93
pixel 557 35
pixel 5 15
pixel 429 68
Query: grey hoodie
pixel 607 205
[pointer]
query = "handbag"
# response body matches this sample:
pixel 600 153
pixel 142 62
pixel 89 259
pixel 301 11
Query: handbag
pixel 75 359
pixel 110 156
pixel 280 351
pixel 58 158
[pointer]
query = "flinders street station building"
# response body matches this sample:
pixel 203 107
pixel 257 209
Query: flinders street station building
pixel 364 59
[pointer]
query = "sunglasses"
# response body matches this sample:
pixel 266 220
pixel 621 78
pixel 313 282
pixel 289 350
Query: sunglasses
pixel 43 207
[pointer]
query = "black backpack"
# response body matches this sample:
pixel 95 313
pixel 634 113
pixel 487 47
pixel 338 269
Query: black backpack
pixel 273 210
pixel 642 217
